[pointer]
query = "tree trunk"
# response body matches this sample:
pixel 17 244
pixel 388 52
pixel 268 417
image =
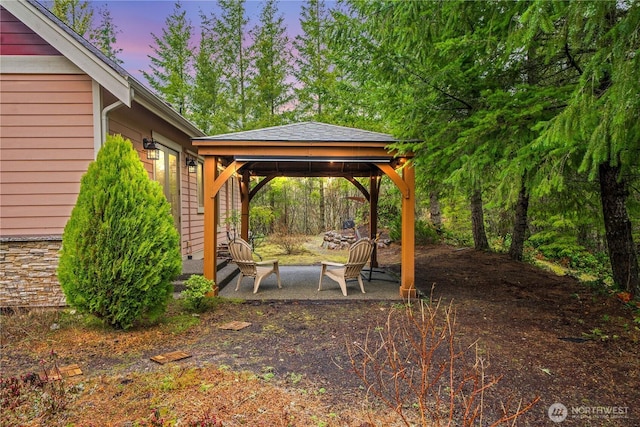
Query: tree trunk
pixel 272 205
pixel 434 211
pixel 323 221
pixel 520 224
pixel 307 208
pixel 622 253
pixel 477 221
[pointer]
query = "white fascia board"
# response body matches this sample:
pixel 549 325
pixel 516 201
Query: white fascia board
pixel 77 53
pixel 41 64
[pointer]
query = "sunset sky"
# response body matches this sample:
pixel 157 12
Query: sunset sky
pixel 136 20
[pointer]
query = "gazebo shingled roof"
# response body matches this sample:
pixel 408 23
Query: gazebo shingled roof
pixel 305 131
pixel 307 149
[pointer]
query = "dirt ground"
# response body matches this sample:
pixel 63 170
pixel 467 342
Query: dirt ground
pixel 545 336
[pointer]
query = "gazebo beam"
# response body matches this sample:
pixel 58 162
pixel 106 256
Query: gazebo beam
pixel 340 153
pixel 227 173
pixel 261 184
pixel 359 186
pixel 406 185
pixel 397 179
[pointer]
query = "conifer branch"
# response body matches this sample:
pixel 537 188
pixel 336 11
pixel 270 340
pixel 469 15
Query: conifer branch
pixel 433 86
pixel 572 61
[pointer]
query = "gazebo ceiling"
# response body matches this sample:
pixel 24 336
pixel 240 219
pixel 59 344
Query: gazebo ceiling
pixel 314 166
pixel 303 149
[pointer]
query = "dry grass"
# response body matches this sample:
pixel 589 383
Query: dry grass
pixel 174 394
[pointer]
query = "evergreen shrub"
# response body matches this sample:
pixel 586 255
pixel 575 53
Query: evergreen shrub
pixel 562 247
pixel 196 289
pixel 120 249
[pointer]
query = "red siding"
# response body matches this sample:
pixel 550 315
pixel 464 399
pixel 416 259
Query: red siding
pixel 47 143
pixel 17 39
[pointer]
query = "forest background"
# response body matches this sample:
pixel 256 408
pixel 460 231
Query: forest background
pixel 524 117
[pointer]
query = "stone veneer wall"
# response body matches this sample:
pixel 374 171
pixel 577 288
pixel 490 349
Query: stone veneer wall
pixel 28 272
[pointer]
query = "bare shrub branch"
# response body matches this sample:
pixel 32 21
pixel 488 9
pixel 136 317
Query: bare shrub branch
pixel 288 242
pixel 415 366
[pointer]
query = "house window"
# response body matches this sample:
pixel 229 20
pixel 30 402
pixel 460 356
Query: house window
pixel 200 185
pixel 166 173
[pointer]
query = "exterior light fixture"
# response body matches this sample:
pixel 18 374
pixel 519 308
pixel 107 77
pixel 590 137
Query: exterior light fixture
pixel 153 153
pixel 191 165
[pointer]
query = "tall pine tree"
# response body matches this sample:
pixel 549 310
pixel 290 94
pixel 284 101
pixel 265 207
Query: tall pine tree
pixel 601 123
pixel 231 30
pixel 313 66
pixel 78 15
pixel 270 86
pixel 209 104
pixel 171 66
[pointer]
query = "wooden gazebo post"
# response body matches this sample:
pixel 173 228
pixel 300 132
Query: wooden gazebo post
pixel 407 276
pixel 210 217
pixel 244 201
pixel 213 182
pixel 374 190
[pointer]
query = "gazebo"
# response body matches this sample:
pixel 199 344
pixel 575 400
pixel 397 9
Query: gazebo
pixel 308 149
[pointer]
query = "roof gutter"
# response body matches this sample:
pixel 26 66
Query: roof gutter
pixel 105 118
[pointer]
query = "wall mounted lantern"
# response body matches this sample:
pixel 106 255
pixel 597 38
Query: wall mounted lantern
pixel 153 153
pixel 191 165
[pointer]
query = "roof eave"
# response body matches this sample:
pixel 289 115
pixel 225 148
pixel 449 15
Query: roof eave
pixel 155 104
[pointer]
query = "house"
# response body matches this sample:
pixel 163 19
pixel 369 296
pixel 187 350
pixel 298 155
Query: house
pixel 59 98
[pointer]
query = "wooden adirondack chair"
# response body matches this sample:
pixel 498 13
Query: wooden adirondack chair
pixel 242 255
pixel 359 254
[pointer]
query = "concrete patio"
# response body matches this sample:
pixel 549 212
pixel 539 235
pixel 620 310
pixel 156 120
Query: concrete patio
pixel 299 282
